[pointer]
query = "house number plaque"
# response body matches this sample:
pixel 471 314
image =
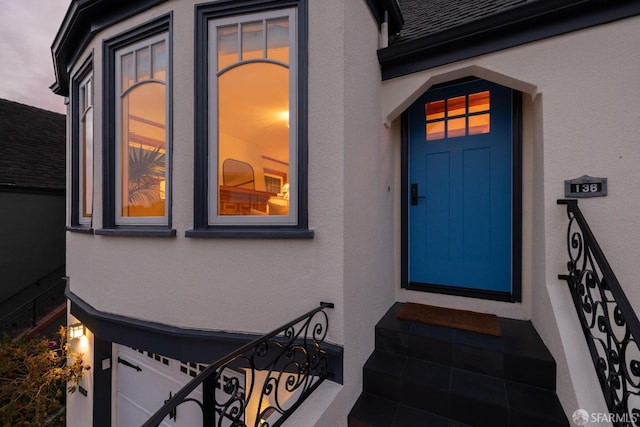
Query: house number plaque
pixel 585 186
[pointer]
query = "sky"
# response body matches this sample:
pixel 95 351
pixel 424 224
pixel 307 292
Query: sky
pixel 27 30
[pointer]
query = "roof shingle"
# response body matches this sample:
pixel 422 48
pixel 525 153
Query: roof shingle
pixel 424 17
pixel 32 146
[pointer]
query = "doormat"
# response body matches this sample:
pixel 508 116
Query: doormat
pixel 459 319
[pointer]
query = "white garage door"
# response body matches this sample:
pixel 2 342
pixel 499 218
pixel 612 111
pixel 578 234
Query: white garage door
pixel 145 382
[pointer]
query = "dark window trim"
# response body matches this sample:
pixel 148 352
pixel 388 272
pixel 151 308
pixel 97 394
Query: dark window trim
pixel 516 197
pixel 85 69
pixel 225 8
pixel 194 345
pixel 531 22
pixel 162 24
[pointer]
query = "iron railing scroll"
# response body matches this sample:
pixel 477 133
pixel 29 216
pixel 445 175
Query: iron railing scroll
pixel 281 369
pixel 609 323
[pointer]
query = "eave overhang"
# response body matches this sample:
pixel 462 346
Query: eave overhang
pixel 530 22
pixel 84 18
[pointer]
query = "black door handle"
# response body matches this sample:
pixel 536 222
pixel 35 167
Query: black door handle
pixel 129 364
pixel 414 195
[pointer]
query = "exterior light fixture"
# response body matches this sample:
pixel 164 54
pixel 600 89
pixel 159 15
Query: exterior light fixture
pixel 76 330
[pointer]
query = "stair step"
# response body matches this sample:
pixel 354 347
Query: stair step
pixel 458 394
pixel 518 355
pixel 375 411
pixel 426 375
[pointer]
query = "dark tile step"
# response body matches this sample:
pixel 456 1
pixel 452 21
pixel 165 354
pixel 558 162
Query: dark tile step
pixel 374 411
pixel 452 393
pixel 518 355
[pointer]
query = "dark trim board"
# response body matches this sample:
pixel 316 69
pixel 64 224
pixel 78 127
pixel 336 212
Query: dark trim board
pixel 461 292
pixel 193 345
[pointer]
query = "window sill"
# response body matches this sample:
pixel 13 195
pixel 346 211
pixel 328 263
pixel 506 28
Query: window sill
pixel 82 229
pixel 239 232
pixel 137 231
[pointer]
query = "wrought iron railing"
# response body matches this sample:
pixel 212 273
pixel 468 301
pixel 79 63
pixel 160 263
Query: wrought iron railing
pixel 281 369
pixel 608 320
pixel 28 314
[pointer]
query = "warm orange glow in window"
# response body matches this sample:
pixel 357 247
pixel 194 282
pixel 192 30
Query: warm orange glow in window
pixel 253 115
pixel 435 130
pixel 456 106
pixel 479 124
pixel 456 127
pixel 143 153
pixel 479 102
pixel 463 116
pixel 86 148
pixel 143 132
pixel 435 110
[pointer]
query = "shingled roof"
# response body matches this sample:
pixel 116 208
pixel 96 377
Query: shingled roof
pixel 32 147
pixel 438 32
pixel 424 17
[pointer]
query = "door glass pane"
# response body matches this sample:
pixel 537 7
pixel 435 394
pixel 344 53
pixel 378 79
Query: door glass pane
pixel 479 124
pixel 434 110
pixel 456 127
pixel 253 111
pixel 143 151
pixel 479 102
pixel 435 130
pixel 456 106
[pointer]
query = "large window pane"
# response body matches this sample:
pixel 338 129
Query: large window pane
pixel 143 151
pixel 253 129
pixel 87 163
pixel 85 100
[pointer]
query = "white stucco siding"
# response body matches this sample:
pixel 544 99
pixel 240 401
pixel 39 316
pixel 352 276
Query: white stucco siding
pixel 248 285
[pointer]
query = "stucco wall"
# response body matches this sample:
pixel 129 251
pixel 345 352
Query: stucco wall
pixel 580 118
pixel 32 241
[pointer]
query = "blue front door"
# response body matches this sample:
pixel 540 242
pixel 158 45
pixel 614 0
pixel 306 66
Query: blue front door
pixel 460 188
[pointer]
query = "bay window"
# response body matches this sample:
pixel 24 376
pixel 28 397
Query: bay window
pixel 251 119
pixel 141 148
pixel 137 148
